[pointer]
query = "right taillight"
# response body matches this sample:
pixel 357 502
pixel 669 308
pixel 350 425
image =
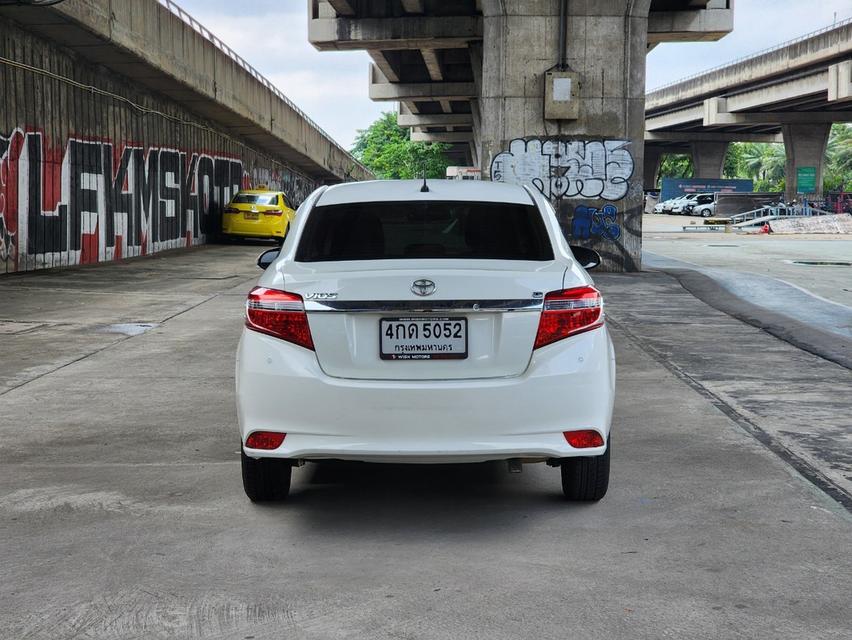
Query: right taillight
pixel 280 314
pixel 567 313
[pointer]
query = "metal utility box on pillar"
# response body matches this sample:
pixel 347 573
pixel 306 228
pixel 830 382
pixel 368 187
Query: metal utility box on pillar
pixel 561 95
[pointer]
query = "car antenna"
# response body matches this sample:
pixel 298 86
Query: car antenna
pixel 425 187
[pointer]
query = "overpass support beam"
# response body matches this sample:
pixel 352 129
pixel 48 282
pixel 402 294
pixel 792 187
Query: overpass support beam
pixel 708 158
pixel 445 137
pixel 653 159
pixel 805 145
pixel 840 81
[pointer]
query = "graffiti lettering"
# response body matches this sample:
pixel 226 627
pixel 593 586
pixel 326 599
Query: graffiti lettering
pixel 567 169
pixel 589 222
pixel 7 241
pixel 90 201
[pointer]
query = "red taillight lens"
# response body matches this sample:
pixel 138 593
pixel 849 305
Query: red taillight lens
pixel 280 314
pixel 567 313
pixel 232 210
pixel 584 439
pixel 273 212
pixel 265 440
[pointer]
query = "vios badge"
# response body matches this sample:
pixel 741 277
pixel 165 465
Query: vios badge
pixel 423 287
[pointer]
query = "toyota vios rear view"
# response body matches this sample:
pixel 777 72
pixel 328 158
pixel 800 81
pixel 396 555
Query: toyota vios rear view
pixel 444 324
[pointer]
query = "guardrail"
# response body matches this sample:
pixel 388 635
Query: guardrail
pixel 778 211
pixel 233 55
pixel 751 56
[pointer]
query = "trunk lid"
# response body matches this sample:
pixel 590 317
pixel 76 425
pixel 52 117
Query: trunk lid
pixel 500 300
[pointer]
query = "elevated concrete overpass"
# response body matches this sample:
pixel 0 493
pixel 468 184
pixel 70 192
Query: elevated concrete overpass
pixel 427 55
pixel 791 93
pixel 539 91
pixel 127 125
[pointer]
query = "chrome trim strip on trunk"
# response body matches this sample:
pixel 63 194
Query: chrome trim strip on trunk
pixel 424 306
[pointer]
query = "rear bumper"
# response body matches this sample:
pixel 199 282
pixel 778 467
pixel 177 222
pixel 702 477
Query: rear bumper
pixel 252 229
pixel 568 385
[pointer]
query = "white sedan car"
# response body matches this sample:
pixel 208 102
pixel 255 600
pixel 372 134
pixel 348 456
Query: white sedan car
pixel 442 323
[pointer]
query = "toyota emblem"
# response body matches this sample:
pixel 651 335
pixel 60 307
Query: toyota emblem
pixel 423 287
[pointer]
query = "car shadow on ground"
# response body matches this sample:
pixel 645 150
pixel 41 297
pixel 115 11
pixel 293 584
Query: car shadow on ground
pixel 373 498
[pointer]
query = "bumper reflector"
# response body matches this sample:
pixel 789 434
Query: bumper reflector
pixel 265 440
pixel 584 439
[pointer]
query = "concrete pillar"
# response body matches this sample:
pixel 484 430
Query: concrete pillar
pixel 590 168
pixel 653 159
pixel 708 159
pixel 805 146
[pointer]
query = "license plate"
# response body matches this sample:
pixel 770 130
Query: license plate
pixel 251 215
pixel 423 338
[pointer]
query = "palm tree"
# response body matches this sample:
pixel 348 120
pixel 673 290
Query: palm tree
pixel 764 163
pixel 840 149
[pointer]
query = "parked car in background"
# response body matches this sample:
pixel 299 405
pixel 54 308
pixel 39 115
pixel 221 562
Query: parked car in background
pixel 680 207
pixel 258 213
pixel 704 205
pixel 665 206
pixel 445 322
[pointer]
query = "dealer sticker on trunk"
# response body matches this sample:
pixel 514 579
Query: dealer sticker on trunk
pixel 423 338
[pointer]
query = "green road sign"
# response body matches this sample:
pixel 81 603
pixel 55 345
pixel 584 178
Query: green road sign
pixel 806 180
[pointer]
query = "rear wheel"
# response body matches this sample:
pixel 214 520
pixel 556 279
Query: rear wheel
pixel 706 213
pixel 586 479
pixel 266 479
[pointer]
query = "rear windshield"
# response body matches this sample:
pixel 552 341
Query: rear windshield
pixel 255 198
pixel 398 230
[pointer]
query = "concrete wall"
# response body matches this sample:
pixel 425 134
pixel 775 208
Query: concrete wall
pixel 88 177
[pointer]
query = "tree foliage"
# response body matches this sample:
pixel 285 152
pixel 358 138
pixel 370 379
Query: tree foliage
pixel 676 166
pixel 764 163
pixel 838 168
pixel 387 150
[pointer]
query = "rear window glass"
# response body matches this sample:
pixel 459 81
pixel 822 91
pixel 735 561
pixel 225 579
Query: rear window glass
pixel 255 198
pixel 399 230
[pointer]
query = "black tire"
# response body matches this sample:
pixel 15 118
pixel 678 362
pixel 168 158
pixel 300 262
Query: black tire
pixel 586 479
pixel 706 213
pixel 266 479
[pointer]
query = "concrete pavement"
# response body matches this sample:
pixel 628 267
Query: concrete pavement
pixel 774 256
pixel 122 513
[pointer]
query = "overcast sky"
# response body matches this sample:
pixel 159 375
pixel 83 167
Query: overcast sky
pixel 331 87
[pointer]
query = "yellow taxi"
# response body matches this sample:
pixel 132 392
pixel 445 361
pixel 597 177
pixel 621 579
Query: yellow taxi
pixel 258 213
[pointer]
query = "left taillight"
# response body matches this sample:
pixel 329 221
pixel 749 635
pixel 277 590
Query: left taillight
pixel 267 440
pixel 280 314
pixel 567 313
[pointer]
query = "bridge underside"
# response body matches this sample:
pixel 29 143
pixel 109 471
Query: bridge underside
pixel 427 56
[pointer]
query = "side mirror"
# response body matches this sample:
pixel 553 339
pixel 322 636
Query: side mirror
pixel 588 258
pixel 267 258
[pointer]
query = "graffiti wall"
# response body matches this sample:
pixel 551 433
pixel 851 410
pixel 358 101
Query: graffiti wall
pixel 87 178
pixel 591 186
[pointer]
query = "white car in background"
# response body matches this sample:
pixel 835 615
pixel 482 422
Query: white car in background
pixel 681 205
pixel 667 205
pixel 436 322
